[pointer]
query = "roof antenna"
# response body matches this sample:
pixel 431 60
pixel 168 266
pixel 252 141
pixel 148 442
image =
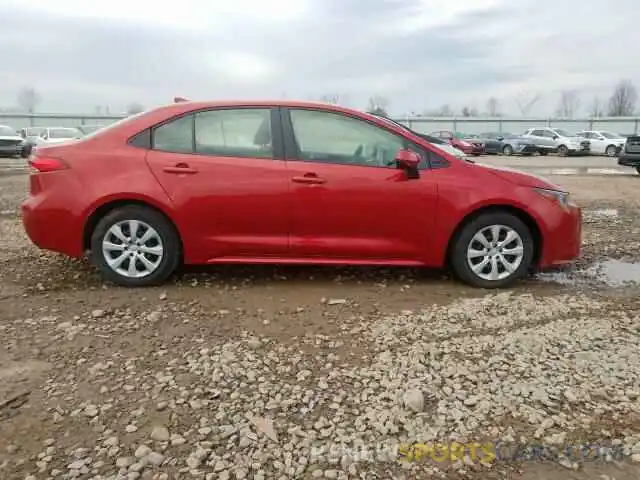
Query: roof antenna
pixel 180 99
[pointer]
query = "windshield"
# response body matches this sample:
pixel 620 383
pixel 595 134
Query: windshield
pixel 609 135
pixel 563 133
pixel 8 131
pixel 63 133
pixel 117 124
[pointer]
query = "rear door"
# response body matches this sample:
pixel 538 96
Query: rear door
pixel 222 170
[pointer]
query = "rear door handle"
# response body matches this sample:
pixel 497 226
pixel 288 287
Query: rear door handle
pixel 309 178
pixel 180 168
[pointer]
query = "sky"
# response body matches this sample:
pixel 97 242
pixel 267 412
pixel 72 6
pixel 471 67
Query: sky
pixel 418 54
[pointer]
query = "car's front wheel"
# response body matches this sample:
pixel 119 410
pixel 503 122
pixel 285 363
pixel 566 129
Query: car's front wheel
pixel 135 246
pixel 507 150
pixel 563 151
pixel 494 250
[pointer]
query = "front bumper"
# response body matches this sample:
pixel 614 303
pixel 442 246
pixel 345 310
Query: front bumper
pixel 629 159
pixel 564 239
pixel 10 150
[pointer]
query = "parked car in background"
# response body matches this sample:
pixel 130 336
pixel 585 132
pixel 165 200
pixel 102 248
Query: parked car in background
pixel 207 183
pixel 87 129
pixel 603 143
pixel 471 147
pixel 53 135
pixel 629 156
pixel 30 136
pixel 10 142
pixel 557 140
pixel 508 143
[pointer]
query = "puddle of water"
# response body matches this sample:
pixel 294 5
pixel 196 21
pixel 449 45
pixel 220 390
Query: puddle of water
pixel 562 278
pixel 615 273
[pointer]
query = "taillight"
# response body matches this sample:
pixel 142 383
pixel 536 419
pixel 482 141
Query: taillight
pixel 46 164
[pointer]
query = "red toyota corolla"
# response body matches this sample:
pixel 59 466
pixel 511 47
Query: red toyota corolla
pixel 289 183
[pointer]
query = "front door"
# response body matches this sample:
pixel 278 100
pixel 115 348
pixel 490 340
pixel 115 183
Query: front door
pixel 349 201
pixel 221 170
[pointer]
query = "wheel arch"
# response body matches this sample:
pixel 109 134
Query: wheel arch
pixel 99 211
pixel 521 214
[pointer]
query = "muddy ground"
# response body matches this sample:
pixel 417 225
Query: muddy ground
pixel 266 372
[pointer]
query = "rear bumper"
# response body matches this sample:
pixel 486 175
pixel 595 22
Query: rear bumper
pixel 50 224
pixel 563 240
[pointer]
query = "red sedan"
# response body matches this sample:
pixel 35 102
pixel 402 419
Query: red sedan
pixel 288 183
pixel 470 147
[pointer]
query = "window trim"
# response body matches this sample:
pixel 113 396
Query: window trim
pixel 274 119
pixel 292 153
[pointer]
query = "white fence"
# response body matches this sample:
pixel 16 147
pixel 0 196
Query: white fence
pixel 623 125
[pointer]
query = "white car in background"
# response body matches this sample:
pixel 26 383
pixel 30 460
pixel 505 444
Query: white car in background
pixel 563 142
pixel 55 135
pixel 603 143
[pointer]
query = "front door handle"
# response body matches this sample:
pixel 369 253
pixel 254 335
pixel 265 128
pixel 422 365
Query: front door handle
pixel 180 168
pixel 309 178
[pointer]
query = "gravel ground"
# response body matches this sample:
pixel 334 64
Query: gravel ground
pixel 266 372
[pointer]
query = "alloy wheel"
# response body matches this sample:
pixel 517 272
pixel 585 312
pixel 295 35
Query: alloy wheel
pixel 132 248
pixel 495 252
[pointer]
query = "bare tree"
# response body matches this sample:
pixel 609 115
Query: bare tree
pixel 597 108
pixel 378 105
pixel 525 102
pixel 332 98
pixel 134 108
pixel 443 111
pixel 568 105
pixel 28 99
pixel 493 107
pixel 623 100
pixel 469 112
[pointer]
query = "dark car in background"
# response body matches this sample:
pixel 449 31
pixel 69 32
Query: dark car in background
pixel 629 156
pixel 10 142
pixel 507 143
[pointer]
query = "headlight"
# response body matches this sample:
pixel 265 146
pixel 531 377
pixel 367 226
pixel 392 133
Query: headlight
pixel 561 197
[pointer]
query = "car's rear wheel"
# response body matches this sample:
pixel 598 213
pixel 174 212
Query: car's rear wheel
pixel 135 246
pixel 610 151
pixel 638 170
pixel 563 151
pixel 507 150
pixel 494 250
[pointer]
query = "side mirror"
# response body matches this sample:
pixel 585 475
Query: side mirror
pixel 499 138
pixel 555 137
pixel 408 159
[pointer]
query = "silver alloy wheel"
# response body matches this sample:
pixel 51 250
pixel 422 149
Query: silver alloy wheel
pixel 132 248
pixel 495 252
pixel 610 151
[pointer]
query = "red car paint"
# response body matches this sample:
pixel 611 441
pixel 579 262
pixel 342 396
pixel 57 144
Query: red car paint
pixel 257 210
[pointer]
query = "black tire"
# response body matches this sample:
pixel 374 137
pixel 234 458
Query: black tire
pixel 563 151
pixel 458 251
pixel 507 150
pixel 638 170
pixel 166 231
pixel 543 152
pixel 610 151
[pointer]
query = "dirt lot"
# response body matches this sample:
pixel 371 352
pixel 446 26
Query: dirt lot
pixel 250 372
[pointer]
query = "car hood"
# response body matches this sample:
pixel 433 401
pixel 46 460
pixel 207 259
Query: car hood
pixel 519 177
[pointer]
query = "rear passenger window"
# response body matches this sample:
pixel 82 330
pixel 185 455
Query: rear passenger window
pixel 175 136
pixel 244 132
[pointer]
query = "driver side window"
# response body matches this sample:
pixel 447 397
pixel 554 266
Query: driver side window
pixel 329 137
